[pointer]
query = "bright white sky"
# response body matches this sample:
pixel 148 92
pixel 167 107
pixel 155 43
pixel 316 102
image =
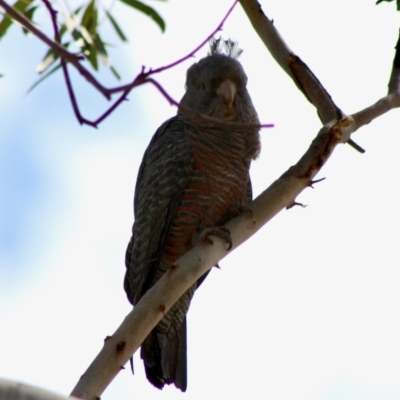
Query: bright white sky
pixel 307 309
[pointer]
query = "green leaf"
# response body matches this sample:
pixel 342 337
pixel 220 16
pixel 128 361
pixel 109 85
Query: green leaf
pixel 71 20
pixel 44 77
pixel 29 14
pixel 91 55
pixel 101 51
pixel 116 74
pixel 77 11
pixel 48 60
pixel 62 30
pixel 1 75
pixel 21 6
pixel 116 27
pixel 89 19
pixel 79 41
pixel 149 11
pixel 397 2
pixel 87 37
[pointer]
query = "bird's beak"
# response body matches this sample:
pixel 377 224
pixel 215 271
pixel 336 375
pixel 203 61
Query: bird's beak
pixel 227 90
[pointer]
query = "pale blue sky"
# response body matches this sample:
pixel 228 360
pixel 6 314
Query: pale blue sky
pixel 307 309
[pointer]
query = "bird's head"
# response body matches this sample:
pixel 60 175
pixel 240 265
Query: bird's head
pixel 216 85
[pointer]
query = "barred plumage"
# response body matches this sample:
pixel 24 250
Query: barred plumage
pixel 193 176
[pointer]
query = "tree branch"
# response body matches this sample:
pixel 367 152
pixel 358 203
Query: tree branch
pixel 300 73
pixel 184 273
pixel 181 60
pixel 281 194
pixel 71 93
pixel 140 79
pixel 381 107
pixel 20 391
pixel 56 47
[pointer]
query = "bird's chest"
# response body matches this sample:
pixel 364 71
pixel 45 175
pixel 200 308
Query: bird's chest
pixel 220 178
pixel 213 194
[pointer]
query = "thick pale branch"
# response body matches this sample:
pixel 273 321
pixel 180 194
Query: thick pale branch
pixel 305 80
pixel 314 91
pixel 157 301
pixel 20 391
pixel 281 194
pixel 184 273
pixel 268 34
pixel 301 74
pixel 364 117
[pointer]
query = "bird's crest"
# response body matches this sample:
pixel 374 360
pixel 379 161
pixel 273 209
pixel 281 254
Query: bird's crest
pixel 228 47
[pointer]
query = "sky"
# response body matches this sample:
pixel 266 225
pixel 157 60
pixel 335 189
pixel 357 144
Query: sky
pixel 307 308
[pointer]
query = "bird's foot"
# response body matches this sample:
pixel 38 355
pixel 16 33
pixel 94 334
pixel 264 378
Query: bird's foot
pixel 221 232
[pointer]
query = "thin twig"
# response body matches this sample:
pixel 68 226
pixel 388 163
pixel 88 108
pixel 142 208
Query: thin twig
pixel 53 16
pixel 199 117
pixel 374 111
pixel 203 43
pixel 141 78
pixel 112 108
pixel 144 77
pixel 144 74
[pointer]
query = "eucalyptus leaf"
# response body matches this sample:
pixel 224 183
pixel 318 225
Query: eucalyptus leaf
pixel 89 19
pixel 6 22
pixel 101 51
pixel 149 11
pixel 29 15
pixel 48 59
pixel 116 27
pixel 86 35
pixel 91 55
pixel 116 74
pixel 44 77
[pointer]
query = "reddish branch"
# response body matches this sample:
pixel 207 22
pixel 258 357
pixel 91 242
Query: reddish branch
pixel 140 79
pixel 71 93
pixel 145 76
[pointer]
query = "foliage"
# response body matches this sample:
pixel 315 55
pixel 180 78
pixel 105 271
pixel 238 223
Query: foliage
pixel 397 2
pixel 79 28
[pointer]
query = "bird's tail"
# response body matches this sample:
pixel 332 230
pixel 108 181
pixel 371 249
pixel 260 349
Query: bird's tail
pixel 165 358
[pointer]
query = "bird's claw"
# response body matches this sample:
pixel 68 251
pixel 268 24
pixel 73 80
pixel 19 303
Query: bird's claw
pixel 221 232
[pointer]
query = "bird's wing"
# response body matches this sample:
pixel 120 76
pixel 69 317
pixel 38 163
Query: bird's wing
pixel 249 193
pixel 165 170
